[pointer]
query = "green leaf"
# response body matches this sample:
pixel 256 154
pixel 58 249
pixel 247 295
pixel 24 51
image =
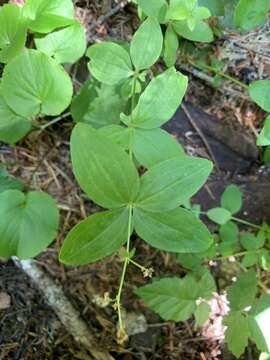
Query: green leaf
pixel 97 106
pixel 250 259
pixel 146 45
pixel 154 8
pixel 219 215
pixel 237 333
pixel 259 318
pixel 264 138
pixel 151 147
pixel 35 84
pixel 8 182
pixel 96 237
pixel 174 298
pixel 66 45
pixel 231 199
pixel 12 32
pixel 202 313
pixel 102 168
pixel 170 183
pixel 24 230
pixel 46 15
pixel 109 63
pixel 171 45
pixel 251 242
pixel 242 293
pixel 13 127
pixel 259 92
pixel 201 32
pixel 176 231
pixel 118 134
pixel 229 232
pixel 180 10
pixel 206 284
pixel 229 235
pixel 160 100
pixel 251 13
pixel 190 261
pixel 215 6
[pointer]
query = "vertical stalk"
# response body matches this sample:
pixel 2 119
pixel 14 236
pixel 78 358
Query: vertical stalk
pixel 126 262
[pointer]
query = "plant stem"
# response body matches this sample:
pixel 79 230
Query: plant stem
pixel 219 72
pixel 228 256
pixel 142 268
pixel 54 121
pixel 244 222
pixel 122 280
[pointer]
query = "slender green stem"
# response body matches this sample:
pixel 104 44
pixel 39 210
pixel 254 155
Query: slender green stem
pixel 142 268
pixel 219 72
pixel 220 258
pixel 240 221
pixel 133 94
pixel 126 262
pixel 244 222
pixel 54 121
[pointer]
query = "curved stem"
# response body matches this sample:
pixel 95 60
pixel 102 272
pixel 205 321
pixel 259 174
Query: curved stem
pixel 220 73
pixel 126 262
pixel 244 222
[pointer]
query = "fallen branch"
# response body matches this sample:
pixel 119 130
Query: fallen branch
pixel 67 314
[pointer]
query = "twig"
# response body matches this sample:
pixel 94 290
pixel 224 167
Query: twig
pixel 103 18
pixel 193 123
pixel 67 314
pixel 210 80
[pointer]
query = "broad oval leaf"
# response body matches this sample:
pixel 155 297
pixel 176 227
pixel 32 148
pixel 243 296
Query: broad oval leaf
pixel 12 32
pixel 96 237
pixel 97 106
pixel 8 182
pixel 66 45
pixel 46 15
pixel 109 63
pixel 102 168
pixel 118 134
pixel 250 13
pixel 231 199
pixel 171 44
pixel 13 127
pixel 219 215
pixel 154 146
pixel 215 6
pixel 146 45
pixel 201 32
pixel 259 92
pixel 35 84
pixel 25 231
pixel 160 100
pixel 154 8
pixel 177 231
pixel 172 182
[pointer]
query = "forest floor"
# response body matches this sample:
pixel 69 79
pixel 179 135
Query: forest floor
pixel 29 328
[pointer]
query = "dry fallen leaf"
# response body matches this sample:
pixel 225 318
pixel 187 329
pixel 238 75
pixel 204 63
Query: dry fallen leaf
pixel 4 301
